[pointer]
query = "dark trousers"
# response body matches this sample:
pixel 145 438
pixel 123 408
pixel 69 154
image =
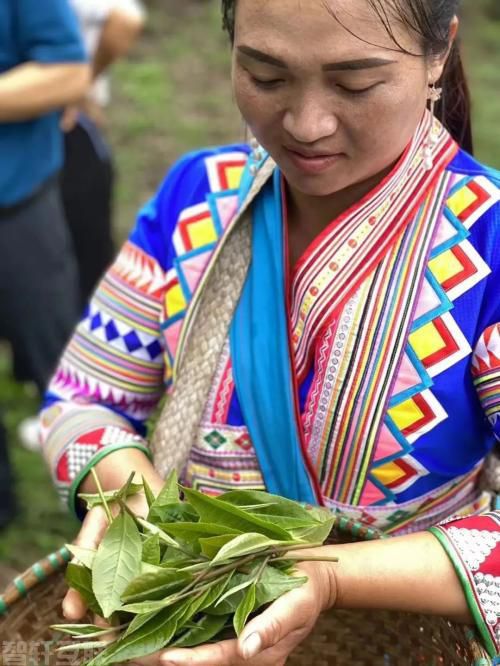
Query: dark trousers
pixel 38 282
pixel 87 188
pixel 38 296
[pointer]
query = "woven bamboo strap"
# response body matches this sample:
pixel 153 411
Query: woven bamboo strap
pixel 207 323
pixel 37 573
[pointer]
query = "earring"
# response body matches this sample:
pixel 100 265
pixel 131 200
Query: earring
pixel 256 156
pixel 434 95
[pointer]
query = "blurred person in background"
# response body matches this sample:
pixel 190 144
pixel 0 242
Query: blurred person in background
pixel 109 28
pixel 42 69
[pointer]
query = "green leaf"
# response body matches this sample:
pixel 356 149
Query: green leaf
pixel 271 504
pixel 150 637
pixel 273 583
pixel 237 588
pixel 244 609
pixel 152 586
pixel 246 544
pixel 89 645
pixel 78 629
pixel 153 529
pixel 84 555
pixel 138 622
pixel 205 629
pixel 117 562
pixel 169 494
pixel 214 510
pixel 211 545
pixel 194 531
pixel 151 552
pixel 150 496
pixel 215 592
pixel 80 579
pixel 317 533
pixel 93 500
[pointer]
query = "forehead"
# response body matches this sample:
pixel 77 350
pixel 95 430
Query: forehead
pixel 320 27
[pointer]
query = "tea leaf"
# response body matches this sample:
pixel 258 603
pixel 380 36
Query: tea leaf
pixel 273 583
pixel 317 533
pixel 152 586
pixel 246 606
pixel 89 645
pixel 169 494
pixel 78 629
pixel 95 499
pixel 84 555
pixel 117 562
pixel 235 589
pixel 151 553
pixel 271 504
pixel 194 531
pixel 150 528
pixel 150 637
pixel 150 496
pixel 80 579
pixel 246 544
pixel 214 510
pixel 210 546
pixel 206 628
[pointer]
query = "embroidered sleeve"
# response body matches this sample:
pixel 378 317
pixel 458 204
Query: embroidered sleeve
pixel 109 378
pixel 119 362
pixel 473 545
pixel 486 375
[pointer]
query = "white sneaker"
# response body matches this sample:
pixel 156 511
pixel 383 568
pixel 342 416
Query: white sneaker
pixel 28 432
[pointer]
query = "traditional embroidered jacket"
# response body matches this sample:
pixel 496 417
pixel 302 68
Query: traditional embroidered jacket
pixel 391 333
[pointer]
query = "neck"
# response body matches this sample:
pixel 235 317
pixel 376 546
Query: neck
pixel 314 213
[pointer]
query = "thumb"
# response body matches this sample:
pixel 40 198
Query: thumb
pixel 284 616
pixel 90 536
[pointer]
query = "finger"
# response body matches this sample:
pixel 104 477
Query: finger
pixel 73 606
pixel 89 536
pixel 289 614
pixel 224 653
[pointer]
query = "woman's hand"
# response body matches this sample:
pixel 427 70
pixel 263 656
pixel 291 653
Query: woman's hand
pixel 90 535
pixel 270 638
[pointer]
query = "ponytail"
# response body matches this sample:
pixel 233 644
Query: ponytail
pixel 454 109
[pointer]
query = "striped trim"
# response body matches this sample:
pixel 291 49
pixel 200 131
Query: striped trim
pixel 345 458
pixel 349 249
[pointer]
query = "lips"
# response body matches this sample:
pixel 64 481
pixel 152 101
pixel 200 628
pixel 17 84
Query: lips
pixel 312 162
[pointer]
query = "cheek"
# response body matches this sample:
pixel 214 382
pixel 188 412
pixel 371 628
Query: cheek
pixel 258 109
pixel 385 125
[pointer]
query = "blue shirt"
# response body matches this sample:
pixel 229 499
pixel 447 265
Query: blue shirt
pixel 43 31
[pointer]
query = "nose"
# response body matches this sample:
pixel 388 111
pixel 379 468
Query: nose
pixel 310 119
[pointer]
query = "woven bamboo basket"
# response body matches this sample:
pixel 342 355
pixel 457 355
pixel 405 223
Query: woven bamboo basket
pixel 32 603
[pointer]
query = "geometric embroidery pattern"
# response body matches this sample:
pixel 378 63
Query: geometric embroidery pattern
pixel 195 237
pixel 436 343
pixel 121 336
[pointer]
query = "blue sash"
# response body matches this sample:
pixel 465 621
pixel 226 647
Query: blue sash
pixel 261 356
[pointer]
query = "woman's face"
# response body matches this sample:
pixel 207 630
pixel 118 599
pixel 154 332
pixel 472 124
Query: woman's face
pixel 330 108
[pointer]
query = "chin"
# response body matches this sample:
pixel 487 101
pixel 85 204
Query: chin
pixel 317 186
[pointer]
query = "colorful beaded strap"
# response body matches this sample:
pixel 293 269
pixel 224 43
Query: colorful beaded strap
pixel 37 573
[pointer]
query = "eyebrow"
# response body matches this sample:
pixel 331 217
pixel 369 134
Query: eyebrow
pixel 345 65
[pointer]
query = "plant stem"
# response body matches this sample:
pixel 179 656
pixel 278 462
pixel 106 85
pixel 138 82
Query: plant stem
pixel 306 558
pixel 101 494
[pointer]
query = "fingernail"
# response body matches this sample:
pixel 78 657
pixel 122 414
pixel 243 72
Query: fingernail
pixel 252 645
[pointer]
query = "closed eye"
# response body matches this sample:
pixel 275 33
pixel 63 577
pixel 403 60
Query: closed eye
pixel 357 91
pixel 266 84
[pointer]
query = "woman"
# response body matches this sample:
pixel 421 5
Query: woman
pixel 329 353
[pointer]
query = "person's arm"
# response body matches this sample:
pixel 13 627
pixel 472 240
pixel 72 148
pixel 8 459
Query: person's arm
pixel 410 573
pixel 33 89
pixel 121 30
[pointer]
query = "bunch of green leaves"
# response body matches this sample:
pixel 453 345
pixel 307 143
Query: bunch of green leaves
pixel 192 570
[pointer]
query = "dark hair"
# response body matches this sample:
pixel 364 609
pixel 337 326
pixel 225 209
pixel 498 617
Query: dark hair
pixel 430 20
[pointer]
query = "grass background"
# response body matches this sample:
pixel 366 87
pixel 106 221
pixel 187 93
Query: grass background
pixel 171 95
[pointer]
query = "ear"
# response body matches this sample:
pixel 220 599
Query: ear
pixel 437 65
